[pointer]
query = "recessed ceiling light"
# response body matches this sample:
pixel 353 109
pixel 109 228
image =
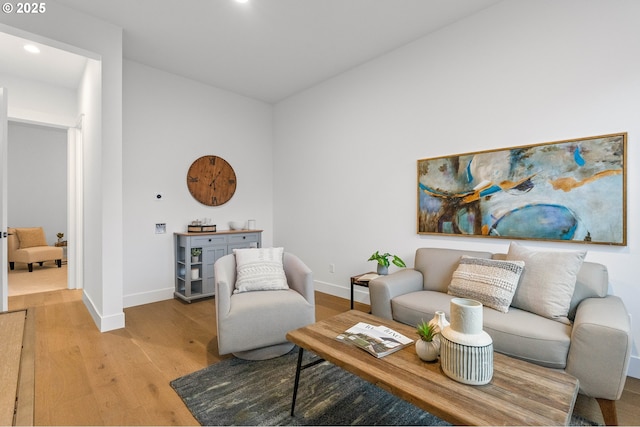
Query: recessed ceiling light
pixel 242 1
pixel 31 48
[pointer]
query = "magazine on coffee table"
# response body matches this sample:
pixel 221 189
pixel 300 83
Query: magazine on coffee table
pixel 377 340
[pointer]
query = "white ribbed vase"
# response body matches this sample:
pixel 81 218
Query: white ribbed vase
pixel 466 351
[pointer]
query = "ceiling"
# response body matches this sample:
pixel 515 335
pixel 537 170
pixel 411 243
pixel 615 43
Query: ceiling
pixel 263 49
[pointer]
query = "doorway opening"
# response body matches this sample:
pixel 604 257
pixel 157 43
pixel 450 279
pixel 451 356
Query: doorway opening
pixel 50 91
pixel 37 193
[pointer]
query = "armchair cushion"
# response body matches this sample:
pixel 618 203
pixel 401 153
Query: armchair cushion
pixel 31 237
pixel 259 269
pixel 492 282
pixel 547 282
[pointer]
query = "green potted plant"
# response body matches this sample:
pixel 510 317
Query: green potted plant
pixel 428 346
pixel 60 236
pixel 383 261
pixel 195 253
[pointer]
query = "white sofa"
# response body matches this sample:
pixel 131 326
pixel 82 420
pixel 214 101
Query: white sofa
pixel 594 345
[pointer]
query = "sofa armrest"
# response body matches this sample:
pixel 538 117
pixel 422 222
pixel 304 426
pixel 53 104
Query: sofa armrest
pixel 600 347
pixel 299 277
pixel 384 288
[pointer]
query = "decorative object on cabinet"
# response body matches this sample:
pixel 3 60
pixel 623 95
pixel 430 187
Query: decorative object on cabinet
pixel 211 180
pixel 201 228
pixel 195 254
pixel 552 191
pixel 195 279
pixel 236 225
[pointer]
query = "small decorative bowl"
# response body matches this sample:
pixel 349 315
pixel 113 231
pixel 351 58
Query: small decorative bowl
pixel 236 225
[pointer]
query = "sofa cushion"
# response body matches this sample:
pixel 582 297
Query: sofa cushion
pixel 413 307
pixel 491 282
pixel 518 333
pixel 38 254
pixel 259 269
pixel 31 237
pixel 547 282
pixel 527 336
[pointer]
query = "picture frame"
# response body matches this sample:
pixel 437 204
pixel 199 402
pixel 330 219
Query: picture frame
pixel 569 191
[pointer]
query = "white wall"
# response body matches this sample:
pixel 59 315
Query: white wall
pixel 37 183
pixel 39 102
pixel 521 72
pixel 169 122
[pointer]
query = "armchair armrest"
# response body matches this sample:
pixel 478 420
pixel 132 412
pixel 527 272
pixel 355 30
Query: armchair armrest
pixel 600 347
pixel 225 279
pixel 384 288
pixel 299 277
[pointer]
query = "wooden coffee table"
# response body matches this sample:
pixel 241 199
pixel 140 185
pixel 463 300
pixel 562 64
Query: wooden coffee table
pixel 520 393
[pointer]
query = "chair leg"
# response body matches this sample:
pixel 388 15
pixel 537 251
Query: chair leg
pixel 40 263
pixel 30 265
pixel 12 265
pixel 59 263
pixel 609 413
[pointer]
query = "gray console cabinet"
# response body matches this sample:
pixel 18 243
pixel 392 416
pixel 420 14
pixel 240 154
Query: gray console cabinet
pixel 194 277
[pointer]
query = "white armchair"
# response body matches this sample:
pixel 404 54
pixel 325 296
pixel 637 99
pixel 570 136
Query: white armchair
pixel 253 325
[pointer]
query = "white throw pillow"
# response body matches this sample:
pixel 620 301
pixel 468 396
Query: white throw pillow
pixel 489 281
pixel 259 269
pixel 547 282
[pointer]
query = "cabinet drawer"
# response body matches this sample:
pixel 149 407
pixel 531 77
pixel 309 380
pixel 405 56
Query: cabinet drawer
pixel 204 241
pixel 243 238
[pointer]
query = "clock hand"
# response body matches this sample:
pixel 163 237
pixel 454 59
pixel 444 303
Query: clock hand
pixel 213 181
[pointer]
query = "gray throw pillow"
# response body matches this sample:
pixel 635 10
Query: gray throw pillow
pixel 488 281
pixel 547 282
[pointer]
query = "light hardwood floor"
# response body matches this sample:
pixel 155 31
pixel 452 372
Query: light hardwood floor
pixel 84 377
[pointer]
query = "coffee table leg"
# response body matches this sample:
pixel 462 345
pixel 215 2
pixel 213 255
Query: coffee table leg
pixel 299 368
pixel 297 381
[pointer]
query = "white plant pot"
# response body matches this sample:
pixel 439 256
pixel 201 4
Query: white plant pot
pixel 427 350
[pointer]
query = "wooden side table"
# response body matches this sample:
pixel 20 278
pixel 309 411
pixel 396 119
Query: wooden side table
pixel 359 280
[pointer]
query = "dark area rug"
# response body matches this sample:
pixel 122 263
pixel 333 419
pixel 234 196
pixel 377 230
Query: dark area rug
pixel 240 392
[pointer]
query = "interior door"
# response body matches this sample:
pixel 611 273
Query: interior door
pixel 4 291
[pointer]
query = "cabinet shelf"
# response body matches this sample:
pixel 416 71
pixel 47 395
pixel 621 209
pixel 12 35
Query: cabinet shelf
pixel 214 246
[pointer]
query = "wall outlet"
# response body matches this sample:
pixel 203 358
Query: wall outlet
pixel 332 268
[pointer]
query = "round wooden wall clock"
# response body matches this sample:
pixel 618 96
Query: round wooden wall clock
pixel 211 180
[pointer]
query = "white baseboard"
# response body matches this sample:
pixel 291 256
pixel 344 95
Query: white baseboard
pixel 104 323
pixel 359 293
pixel 142 298
pixel 634 367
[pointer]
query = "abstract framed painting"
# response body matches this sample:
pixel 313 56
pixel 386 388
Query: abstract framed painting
pixel 569 191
